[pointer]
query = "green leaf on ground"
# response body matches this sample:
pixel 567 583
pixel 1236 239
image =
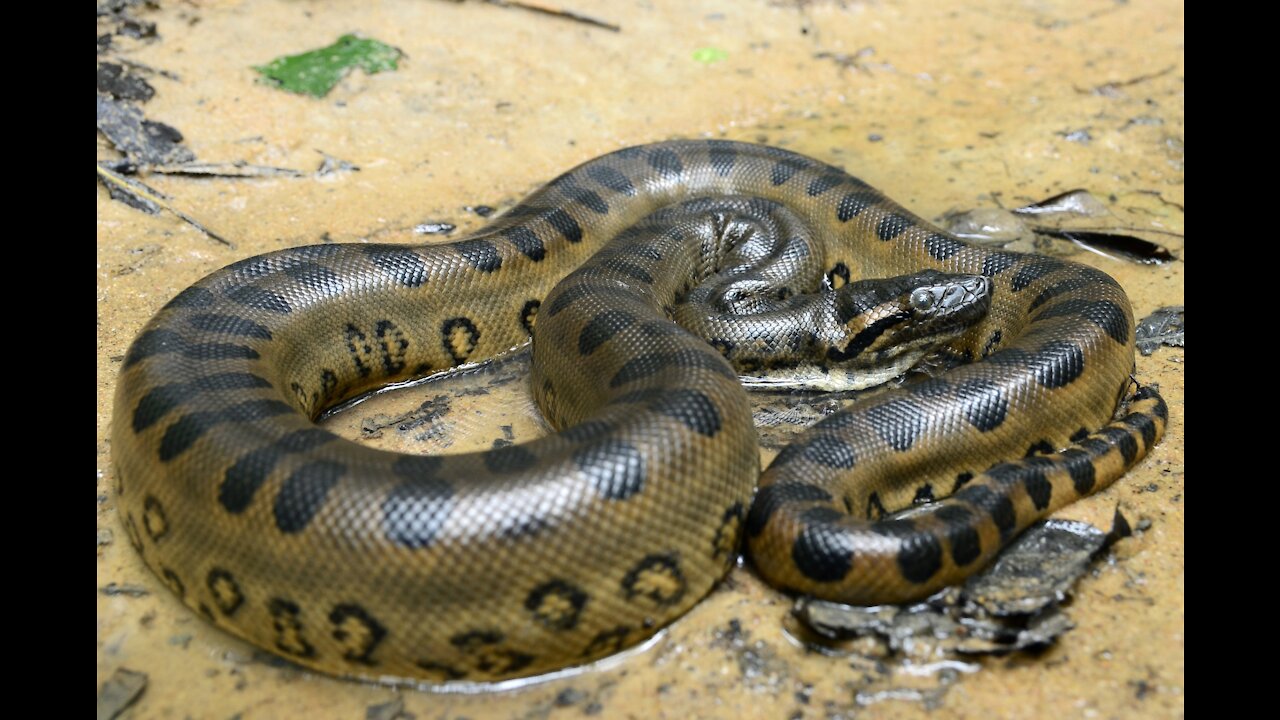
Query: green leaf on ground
pixel 317 71
pixel 708 55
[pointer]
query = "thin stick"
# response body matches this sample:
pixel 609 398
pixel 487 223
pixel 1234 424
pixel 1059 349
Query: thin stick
pixel 151 197
pixel 557 12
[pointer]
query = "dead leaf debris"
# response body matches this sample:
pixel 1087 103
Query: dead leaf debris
pixel 1054 227
pixel 1013 605
pixel 1162 327
pixel 143 141
pixel 121 690
pixel 117 82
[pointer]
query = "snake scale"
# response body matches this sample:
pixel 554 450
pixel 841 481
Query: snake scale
pixel 533 557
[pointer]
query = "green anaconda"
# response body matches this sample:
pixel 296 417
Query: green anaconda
pixel 533 557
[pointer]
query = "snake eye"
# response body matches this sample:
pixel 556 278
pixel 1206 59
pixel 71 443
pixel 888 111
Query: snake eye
pixel 922 300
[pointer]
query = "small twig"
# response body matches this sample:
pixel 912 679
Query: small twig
pixel 145 68
pixel 232 169
pixel 855 60
pixel 120 691
pixel 1161 198
pixel 1138 79
pixel 557 12
pixel 149 196
pixel 1106 87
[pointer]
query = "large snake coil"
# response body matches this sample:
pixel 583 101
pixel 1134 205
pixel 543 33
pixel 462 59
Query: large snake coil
pixel 533 557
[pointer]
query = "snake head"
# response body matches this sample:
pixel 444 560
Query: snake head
pixel 905 316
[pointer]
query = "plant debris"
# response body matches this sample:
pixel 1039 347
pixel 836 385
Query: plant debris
pixel 1038 569
pixel 330 165
pixel 121 690
pixel 1113 245
pixel 115 81
pixel 1162 327
pixel 1052 227
pixel 147 144
pixel 1112 88
pixel 1081 136
pixel 434 228
pixel 709 55
pixel 117 12
pixel 426 417
pixel 316 72
pixel 143 197
pixel 857 60
pixel 558 12
pixel 1073 202
pixel 133 193
pixel 1012 605
pixel 112 589
pixel 143 141
pixel 239 168
pixel 147 69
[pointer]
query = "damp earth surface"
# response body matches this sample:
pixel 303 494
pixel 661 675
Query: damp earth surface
pixel 963 116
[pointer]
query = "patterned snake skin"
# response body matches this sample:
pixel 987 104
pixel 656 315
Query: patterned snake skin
pixel 529 558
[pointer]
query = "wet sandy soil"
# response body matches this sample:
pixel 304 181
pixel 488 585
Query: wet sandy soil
pixel 990 105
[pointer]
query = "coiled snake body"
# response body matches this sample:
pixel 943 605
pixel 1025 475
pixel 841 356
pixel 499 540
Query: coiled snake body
pixel 533 557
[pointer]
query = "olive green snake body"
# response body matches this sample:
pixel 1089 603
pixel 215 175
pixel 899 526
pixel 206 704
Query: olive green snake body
pixel 533 557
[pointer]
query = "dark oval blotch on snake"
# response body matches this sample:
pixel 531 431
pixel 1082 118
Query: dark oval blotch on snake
pixel 534 557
